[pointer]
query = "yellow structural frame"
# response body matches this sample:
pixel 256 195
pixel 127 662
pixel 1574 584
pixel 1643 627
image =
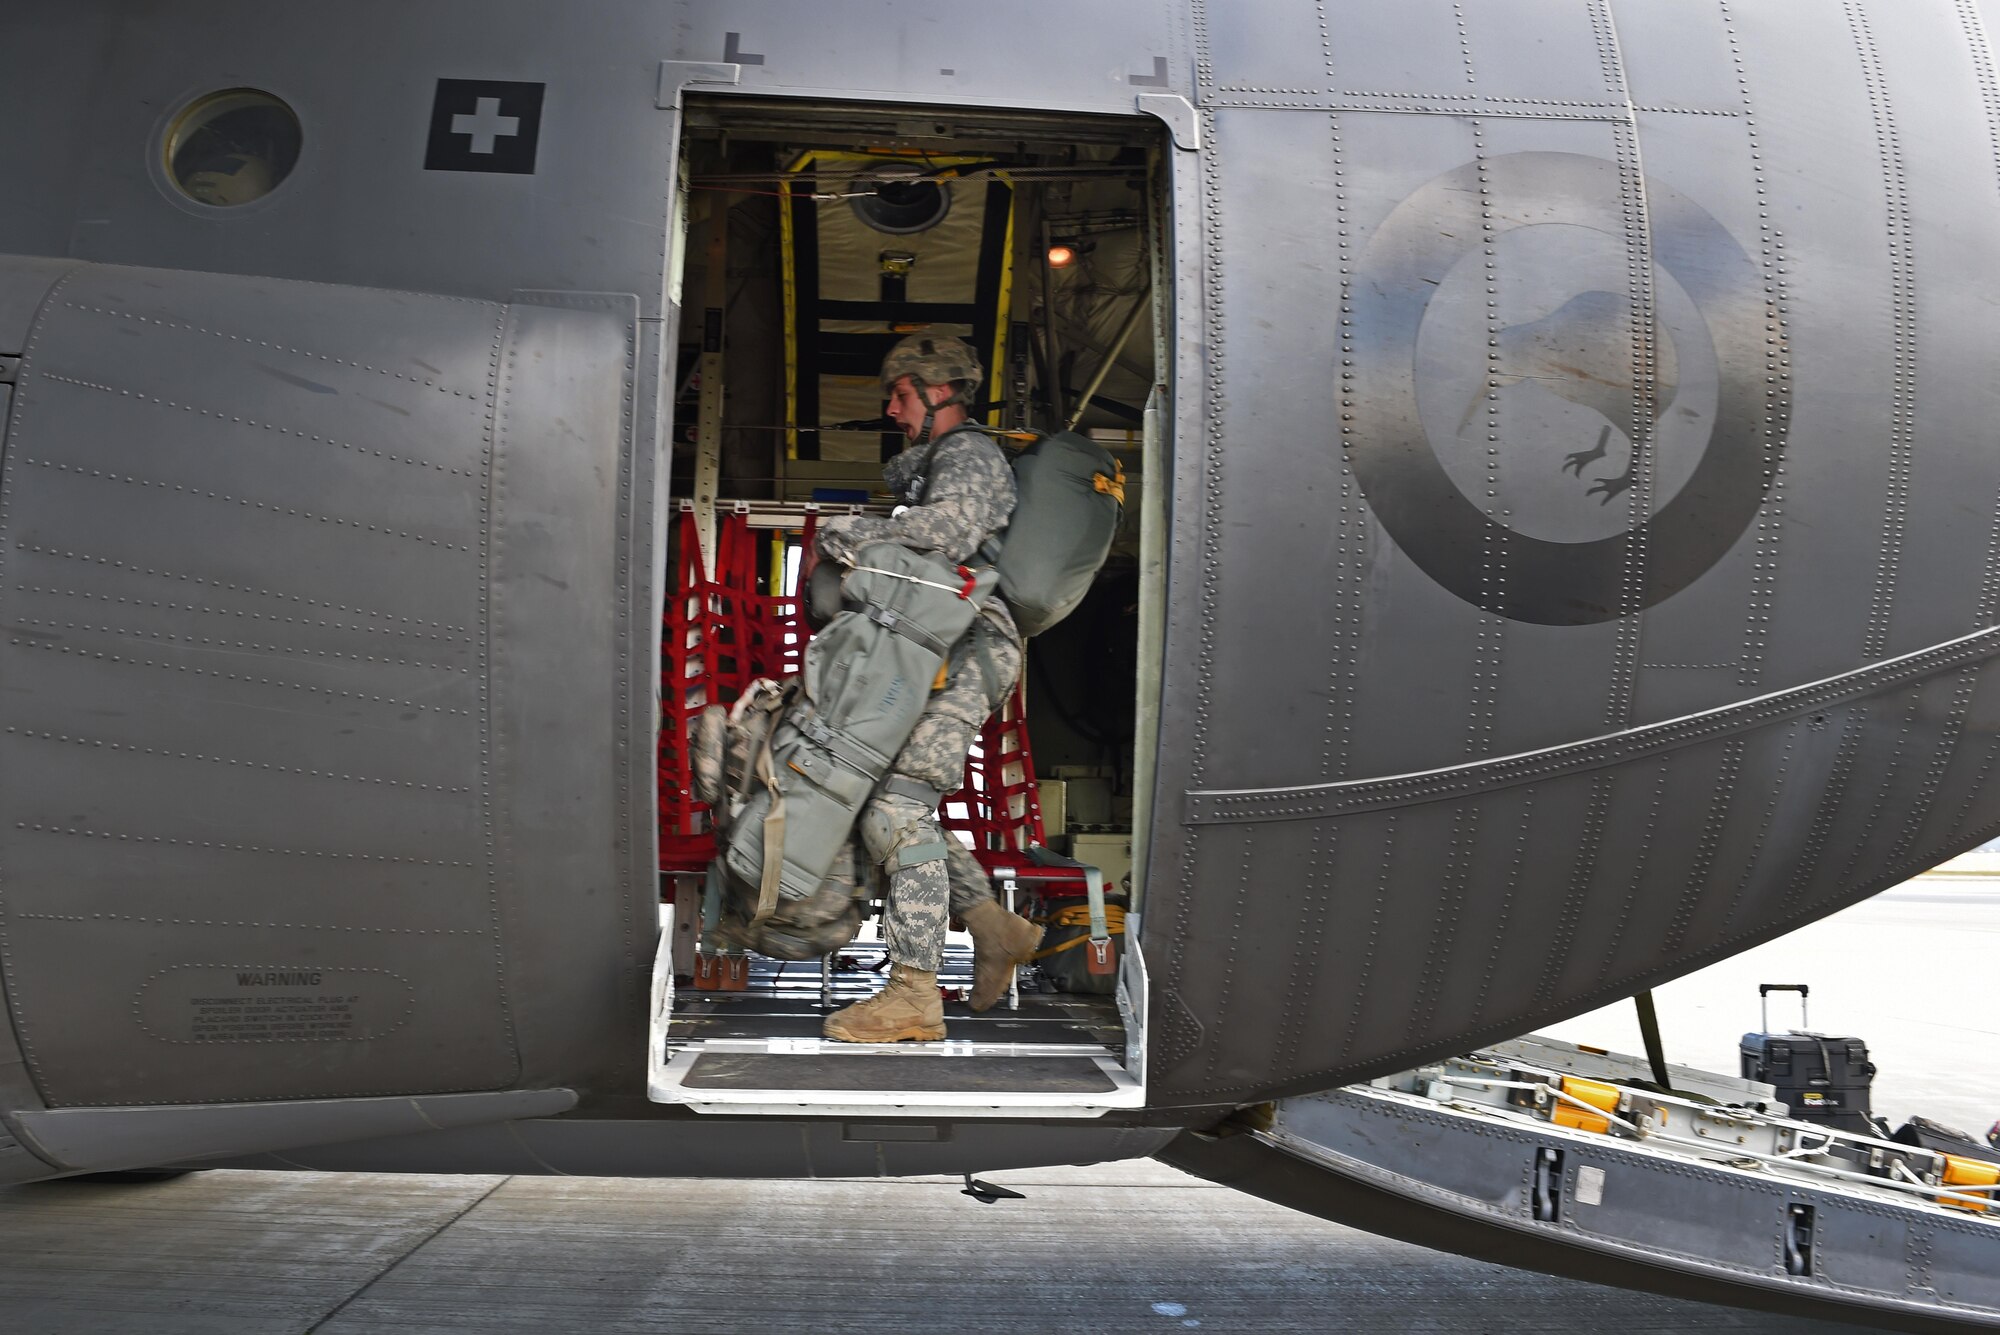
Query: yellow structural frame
pixel 788 259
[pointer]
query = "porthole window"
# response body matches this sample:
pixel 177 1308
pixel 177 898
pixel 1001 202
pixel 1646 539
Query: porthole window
pixel 231 147
pixel 898 200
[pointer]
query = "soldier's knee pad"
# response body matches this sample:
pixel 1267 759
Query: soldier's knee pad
pixel 887 822
pixel 879 827
pixel 900 833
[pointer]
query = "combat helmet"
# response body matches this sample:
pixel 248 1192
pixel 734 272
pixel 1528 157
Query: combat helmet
pixel 934 359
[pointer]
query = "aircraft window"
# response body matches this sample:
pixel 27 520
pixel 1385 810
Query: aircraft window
pixel 231 147
pixel 901 202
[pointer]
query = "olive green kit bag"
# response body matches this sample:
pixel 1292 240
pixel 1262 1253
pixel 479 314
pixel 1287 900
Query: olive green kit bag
pixel 798 762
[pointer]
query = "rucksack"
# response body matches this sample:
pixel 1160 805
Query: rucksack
pixel 1070 494
pixel 730 744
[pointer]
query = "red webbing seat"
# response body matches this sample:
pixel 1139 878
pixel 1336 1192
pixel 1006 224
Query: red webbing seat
pixel 719 634
pixel 999 808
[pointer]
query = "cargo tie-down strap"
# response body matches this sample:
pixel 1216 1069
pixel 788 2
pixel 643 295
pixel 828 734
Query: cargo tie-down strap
pixel 1078 915
pixel 1100 959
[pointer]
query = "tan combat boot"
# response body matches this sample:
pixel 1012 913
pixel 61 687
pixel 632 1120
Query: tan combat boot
pixel 1001 943
pixel 909 1008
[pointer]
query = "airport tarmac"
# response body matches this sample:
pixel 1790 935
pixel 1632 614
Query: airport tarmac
pixel 1112 1248
pixel 1910 971
pixel 1117 1248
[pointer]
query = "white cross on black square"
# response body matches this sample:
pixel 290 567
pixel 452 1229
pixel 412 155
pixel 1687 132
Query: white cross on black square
pixel 483 125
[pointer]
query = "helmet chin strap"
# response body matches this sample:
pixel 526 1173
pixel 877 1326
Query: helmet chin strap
pixel 930 412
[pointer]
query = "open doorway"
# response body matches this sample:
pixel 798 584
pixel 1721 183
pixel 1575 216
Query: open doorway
pixel 818 235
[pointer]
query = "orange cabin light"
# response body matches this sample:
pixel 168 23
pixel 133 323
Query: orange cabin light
pixel 1061 257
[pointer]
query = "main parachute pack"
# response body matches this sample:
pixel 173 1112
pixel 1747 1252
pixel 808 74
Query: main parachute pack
pixel 1071 492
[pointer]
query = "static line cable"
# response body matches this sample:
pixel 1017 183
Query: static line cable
pixel 958 590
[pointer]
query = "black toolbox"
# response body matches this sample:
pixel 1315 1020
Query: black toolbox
pixel 1822 1078
pixel 1936 1136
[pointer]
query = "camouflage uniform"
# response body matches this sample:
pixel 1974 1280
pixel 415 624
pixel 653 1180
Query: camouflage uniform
pixel 965 500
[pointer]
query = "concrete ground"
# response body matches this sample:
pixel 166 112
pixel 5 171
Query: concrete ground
pixel 1114 1249
pixel 1111 1249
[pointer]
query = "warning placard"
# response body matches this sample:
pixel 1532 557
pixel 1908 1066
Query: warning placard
pixel 201 1003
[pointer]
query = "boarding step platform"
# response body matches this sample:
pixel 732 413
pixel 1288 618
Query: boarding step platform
pixel 759 1051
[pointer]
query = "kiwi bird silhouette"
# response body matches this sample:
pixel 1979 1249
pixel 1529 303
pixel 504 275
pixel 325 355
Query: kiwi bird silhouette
pixel 1583 351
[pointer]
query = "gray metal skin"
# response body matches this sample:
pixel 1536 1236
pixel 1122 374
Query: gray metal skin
pixel 331 608
pixel 1468 1185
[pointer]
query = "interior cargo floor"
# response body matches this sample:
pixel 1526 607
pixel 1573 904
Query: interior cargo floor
pixel 785 1001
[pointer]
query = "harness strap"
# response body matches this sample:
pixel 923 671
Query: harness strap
pixel 897 624
pixel 768 703
pixel 931 445
pixel 904 786
pixel 916 855
pixel 774 838
pixel 842 747
pixel 982 636
pixel 712 887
